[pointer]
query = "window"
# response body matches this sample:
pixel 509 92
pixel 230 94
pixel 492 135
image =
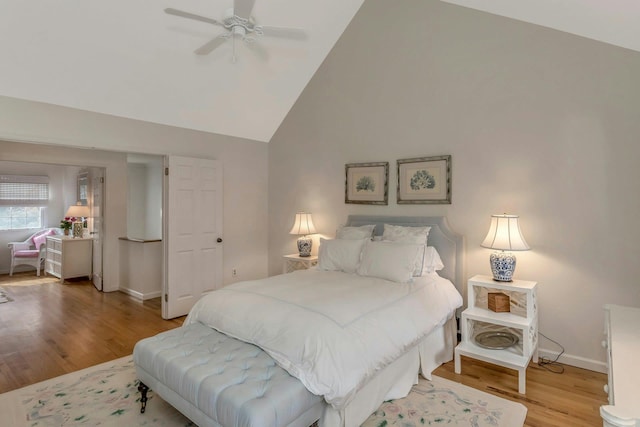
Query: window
pixel 19 217
pixel 23 201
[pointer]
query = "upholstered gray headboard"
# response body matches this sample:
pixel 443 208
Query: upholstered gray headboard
pixel 448 243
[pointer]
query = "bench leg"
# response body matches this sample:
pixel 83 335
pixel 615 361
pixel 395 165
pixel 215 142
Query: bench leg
pixel 143 389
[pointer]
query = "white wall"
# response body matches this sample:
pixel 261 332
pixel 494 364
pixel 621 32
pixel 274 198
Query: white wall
pixel 244 163
pixel 136 200
pixel 539 123
pixel 144 205
pixel 153 217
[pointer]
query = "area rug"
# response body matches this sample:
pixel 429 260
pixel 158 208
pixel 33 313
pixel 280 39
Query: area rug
pixel 107 395
pixel 4 297
pixel 441 402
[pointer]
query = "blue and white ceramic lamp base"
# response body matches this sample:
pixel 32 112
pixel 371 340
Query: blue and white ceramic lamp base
pixel 503 264
pixel 304 246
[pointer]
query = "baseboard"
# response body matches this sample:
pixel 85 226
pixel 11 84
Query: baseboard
pixel 23 270
pixel 577 361
pixel 139 295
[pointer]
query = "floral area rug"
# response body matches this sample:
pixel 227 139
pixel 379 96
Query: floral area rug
pixel 103 395
pixel 107 395
pixel 441 402
pixel 4 297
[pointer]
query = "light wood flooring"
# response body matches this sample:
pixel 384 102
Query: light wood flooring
pixel 52 329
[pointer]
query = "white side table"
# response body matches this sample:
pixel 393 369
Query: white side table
pixel 522 321
pixel 295 262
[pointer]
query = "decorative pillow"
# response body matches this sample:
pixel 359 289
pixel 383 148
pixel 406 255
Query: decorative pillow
pixel 403 234
pixel 340 254
pixel 432 261
pixel 400 233
pixel 42 237
pixel 388 260
pixel 355 233
pixel 38 234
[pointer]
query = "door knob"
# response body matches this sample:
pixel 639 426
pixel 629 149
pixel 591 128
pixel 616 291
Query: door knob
pixel 219 240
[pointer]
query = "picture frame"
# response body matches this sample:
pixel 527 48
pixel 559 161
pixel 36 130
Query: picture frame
pixel 424 180
pixel 367 183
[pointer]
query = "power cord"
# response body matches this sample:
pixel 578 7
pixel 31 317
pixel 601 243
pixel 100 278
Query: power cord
pixel 552 365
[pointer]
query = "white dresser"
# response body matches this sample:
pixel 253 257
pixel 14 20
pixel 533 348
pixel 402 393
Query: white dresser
pixel 69 257
pixel 622 330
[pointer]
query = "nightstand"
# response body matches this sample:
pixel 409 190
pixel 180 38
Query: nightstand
pixel 295 262
pixel 521 321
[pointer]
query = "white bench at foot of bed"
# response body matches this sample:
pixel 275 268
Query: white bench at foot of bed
pixel 219 381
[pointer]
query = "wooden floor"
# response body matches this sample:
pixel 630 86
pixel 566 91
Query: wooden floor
pixel 52 329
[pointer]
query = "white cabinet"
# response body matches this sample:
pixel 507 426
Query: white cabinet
pixel 521 321
pixel 295 262
pixel 69 257
pixel 622 330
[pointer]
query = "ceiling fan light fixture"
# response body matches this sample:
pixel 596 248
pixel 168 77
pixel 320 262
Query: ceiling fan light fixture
pixel 238 23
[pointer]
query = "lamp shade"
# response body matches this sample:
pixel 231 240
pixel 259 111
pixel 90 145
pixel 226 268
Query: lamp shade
pixel 303 224
pixel 78 211
pixel 504 234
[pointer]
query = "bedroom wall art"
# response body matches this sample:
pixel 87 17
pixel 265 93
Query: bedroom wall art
pixel 424 180
pixel 367 183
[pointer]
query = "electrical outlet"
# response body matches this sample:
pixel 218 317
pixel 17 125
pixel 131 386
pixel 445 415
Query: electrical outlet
pixel 234 272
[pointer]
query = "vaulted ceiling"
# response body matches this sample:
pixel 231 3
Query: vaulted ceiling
pixel 130 59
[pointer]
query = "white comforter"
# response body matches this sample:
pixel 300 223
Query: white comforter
pixel 331 330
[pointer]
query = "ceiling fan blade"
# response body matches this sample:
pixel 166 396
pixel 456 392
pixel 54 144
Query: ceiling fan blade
pixel 210 46
pixel 183 14
pixel 289 33
pixel 243 8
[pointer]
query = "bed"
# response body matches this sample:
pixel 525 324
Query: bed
pixel 355 332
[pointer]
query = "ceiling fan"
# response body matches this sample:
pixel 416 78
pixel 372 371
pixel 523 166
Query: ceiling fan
pixel 238 23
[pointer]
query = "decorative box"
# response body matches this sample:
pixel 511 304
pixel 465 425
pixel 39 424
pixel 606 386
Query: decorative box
pixel 498 302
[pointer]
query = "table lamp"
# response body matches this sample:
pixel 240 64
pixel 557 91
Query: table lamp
pixel 303 226
pixel 80 212
pixel 504 235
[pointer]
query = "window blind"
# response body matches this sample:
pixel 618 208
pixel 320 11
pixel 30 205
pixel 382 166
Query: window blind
pixel 22 190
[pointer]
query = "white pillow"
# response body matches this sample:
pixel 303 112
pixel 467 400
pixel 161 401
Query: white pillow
pixel 418 235
pixel 340 254
pixel 388 260
pixel 432 261
pixel 362 232
pixel 400 233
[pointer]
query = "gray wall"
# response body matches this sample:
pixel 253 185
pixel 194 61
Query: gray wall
pixel 244 167
pixel 539 123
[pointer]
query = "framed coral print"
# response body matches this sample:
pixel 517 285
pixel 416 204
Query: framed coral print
pixel 367 183
pixel 424 180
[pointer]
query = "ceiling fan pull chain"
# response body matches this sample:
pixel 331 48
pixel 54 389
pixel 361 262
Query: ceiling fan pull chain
pixel 234 59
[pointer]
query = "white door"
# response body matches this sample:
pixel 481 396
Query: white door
pixel 95 224
pixel 192 232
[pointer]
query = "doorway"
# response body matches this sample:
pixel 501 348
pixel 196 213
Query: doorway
pixel 64 185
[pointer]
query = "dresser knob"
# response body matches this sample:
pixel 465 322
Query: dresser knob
pixel 606 388
pixel 604 344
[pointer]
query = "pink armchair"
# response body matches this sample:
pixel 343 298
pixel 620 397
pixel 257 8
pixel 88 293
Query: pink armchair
pixel 32 251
